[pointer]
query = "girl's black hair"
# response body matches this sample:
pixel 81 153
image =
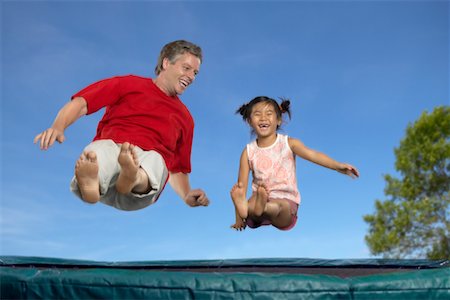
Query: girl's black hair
pixel 284 107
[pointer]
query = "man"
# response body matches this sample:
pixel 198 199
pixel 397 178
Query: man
pixel 144 138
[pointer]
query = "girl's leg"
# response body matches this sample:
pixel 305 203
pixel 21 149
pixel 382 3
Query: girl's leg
pixel 262 211
pixel 240 203
pixel 278 211
pixel 256 206
pixel 260 201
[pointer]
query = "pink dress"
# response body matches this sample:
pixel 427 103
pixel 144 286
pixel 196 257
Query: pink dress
pixel 275 167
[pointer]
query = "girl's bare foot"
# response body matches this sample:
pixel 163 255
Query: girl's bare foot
pixel 240 203
pixel 129 169
pixel 86 173
pixel 260 201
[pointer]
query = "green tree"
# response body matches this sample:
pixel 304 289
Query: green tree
pixel 414 220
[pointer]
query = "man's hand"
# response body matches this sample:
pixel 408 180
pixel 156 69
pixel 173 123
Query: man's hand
pixel 48 137
pixel 71 112
pixel 196 197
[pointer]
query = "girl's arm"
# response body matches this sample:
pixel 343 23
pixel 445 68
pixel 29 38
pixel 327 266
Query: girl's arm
pixel 244 170
pixel 321 159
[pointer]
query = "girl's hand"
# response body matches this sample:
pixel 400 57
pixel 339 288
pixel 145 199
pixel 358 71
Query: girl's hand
pixel 348 170
pixel 239 225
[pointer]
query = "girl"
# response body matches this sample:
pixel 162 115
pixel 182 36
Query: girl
pixel 271 158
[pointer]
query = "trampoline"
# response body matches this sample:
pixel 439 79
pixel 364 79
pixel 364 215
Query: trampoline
pixel 292 278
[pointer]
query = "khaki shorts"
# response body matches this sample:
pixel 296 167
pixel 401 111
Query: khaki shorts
pixel 107 153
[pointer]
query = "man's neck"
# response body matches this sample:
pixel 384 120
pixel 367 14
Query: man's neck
pixel 160 83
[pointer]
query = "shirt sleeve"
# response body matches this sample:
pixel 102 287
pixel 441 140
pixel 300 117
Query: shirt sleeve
pixel 100 94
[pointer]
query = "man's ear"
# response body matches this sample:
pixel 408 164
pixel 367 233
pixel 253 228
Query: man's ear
pixel 165 63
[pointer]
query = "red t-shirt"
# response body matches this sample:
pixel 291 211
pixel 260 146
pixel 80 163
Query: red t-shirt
pixel 138 112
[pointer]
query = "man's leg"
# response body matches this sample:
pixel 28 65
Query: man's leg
pixel 86 173
pixel 132 178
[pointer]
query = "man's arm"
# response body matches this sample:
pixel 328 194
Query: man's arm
pixel 71 112
pixel 180 183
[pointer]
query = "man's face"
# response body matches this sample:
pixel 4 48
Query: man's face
pixel 179 75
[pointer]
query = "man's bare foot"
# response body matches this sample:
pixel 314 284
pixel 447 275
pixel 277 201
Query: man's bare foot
pixel 240 203
pixel 129 172
pixel 260 201
pixel 86 173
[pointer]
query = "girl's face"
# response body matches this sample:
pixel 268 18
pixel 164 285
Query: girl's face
pixel 263 119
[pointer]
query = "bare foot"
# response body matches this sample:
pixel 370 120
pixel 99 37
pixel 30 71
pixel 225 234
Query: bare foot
pixel 129 169
pixel 240 203
pixel 260 201
pixel 86 173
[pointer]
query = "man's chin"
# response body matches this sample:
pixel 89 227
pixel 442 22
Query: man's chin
pixel 180 91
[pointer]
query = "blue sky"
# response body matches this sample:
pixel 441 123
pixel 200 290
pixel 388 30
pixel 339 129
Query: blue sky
pixel 357 74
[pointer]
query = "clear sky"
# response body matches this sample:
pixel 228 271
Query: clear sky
pixel 357 74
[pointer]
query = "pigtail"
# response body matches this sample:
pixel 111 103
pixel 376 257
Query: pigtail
pixel 243 111
pixel 285 106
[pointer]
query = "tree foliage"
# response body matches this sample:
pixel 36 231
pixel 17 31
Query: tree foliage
pixel 414 220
